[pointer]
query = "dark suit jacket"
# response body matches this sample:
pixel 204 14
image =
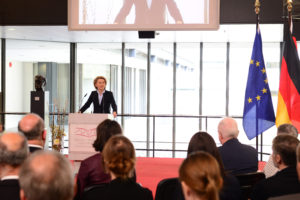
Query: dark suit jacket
pixel 120 189
pixel 282 183
pixel 107 101
pixel 91 172
pixel 33 149
pixel 231 189
pixel 238 158
pixel 9 189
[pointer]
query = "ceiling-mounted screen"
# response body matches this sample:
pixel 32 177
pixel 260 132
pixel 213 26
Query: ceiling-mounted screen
pixel 143 14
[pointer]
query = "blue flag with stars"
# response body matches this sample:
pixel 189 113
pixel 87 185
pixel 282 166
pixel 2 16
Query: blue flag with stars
pixel 258 108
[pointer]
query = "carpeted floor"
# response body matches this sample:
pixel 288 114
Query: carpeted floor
pixel 152 170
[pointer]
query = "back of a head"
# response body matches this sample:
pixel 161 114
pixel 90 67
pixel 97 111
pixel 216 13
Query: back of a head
pixel 228 128
pixel 285 146
pixel 119 156
pixel 13 149
pixel 105 130
pixel 201 173
pixel 202 141
pixel 46 175
pixel 32 126
pixel 287 129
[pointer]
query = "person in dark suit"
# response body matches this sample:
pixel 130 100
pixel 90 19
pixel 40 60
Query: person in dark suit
pixel 32 126
pixel 285 181
pixel 102 99
pixel 119 160
pixel 202 141
pixel 237 158
pixel 91 171
pixel 13 152
pixel 152 12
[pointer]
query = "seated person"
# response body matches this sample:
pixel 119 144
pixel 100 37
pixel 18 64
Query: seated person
pixel 13 152
pixel 237 158
pixel 284 129
pixel 200 177
pixel 119 161
pixel 91 171
pixel 285 181
pixel 46 175
pixel 202 141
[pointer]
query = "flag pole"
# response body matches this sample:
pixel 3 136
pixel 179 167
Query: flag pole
pixel 289 8
pixel 257 10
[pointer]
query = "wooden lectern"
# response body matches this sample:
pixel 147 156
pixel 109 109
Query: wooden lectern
pixel 82 134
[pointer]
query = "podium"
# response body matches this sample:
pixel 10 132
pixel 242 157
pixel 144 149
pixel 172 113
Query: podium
pixel 82 134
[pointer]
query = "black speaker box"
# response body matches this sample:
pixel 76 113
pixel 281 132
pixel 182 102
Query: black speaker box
pixel 146 34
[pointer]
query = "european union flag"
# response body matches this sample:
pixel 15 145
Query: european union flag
pixel 258 108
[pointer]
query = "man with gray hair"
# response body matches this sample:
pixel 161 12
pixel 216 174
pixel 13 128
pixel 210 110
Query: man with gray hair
pixel 237 158
pixel 46 175
pixel 283 129
pixel 33 128
pixel 13 152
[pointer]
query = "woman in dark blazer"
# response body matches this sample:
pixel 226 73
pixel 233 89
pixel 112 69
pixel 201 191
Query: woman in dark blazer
pixel 102 99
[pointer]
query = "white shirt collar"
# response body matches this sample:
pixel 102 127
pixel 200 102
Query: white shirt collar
pixel 99 92
pixel 16 177
pixel 35 145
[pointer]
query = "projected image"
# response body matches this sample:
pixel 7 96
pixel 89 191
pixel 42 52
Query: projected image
pixel 143 12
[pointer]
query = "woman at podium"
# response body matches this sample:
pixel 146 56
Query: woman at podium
pixel 102 99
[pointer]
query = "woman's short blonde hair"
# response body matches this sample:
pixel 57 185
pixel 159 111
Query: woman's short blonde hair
pixel 97 78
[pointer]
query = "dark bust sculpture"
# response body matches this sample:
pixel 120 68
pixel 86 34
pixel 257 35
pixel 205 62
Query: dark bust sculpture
pixel 39 82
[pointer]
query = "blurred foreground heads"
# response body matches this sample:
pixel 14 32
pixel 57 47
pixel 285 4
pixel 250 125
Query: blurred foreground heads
pixel 200 177
pixel 46 175
pixel 13 152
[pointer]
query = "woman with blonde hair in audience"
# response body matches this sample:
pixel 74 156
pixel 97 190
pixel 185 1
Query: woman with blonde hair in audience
pixel 119 161
pixel 200 177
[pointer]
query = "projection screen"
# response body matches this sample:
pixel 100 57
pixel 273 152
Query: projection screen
pixel 143 14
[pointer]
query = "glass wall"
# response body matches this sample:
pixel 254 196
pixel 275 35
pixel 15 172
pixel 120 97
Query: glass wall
pixel 187 93
pixel 97 60
pixel 214 84
pixel 161 94
pixel 24 60
pixel 135 94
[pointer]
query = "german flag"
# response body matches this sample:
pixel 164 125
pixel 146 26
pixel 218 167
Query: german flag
pixel 288 108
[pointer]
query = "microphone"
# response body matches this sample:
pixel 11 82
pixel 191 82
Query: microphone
pixel 81 100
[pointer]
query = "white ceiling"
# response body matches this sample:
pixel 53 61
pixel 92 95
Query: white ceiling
pixel 226 33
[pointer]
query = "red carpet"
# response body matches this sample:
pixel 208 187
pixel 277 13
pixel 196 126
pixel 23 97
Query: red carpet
pixel 152 170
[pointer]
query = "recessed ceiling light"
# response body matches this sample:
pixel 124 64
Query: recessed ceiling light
pixel 11 29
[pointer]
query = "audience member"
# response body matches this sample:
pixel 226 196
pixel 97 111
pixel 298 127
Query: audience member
pixel 202 141
pixel 91 171
pixel 237 158
pixel 13 152
pixel 295 196
pixel 46 175
pixel 33 128
pixel 284 129
pixel 200 177
pixel 119 160
pixel 285 181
